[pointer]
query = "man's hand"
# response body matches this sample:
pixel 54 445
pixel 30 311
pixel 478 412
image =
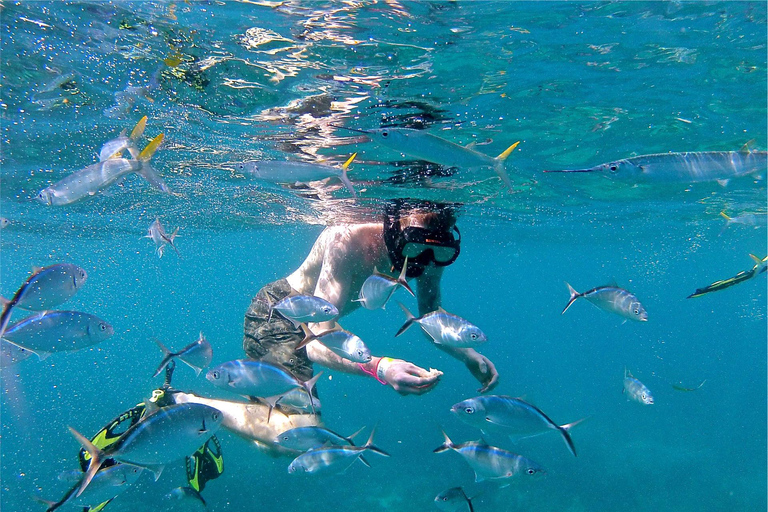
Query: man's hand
pixel 483 370
pixel 407 378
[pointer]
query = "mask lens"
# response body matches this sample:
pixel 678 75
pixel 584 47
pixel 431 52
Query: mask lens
pixel 441 253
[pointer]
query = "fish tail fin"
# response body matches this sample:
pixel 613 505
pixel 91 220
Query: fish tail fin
pixel 565 431
pixel 370 446
pixel 97 457
pixel 5 316
pixel 344 178
pixel 755 258
pixel 167 356
pixel 172 237
pixel 401 278
pixel 308 336
pixel 447 444
pixel 726 217
pixel 574 295
pixel 409 319
pixel 503 156
pixel 147 153
pixel 309 386
pixel 500 168
pixel 148 172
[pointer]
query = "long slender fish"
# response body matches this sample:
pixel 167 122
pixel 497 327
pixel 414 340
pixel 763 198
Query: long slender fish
pixel 197 355
pixel 277 171
pixel 97 177
pixel 378 288
pixel 331 459
pixel 689 167
pixel 761 265
pixel 58 331
pixel 513 416
pixel 612 299
pixel 636 390
pixel 165 435
pixel 490 462
pixel 445 328
pixel 425 146
pixel 46 288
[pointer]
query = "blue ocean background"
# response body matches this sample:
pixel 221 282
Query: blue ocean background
pixel 578 83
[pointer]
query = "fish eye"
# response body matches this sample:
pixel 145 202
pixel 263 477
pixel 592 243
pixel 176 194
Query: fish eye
pixel 613 167
pixel 102 327
pixel 215 374
pixel 215 416
pixel 385 134
pixel 531 471
pixel 469 410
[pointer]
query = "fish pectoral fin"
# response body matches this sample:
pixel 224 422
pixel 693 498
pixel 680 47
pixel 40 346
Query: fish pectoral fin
pixel 156 469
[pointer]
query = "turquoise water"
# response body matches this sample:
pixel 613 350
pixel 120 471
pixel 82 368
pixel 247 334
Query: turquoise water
pixel 578 84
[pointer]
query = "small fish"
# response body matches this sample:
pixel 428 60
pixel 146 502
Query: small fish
pixel 305 308
pixel 186 498
pixel 106 484
pixel 454 500
pixel 445 328
pixel 331 459
pixel 97 177
pixel 257 379
pixel 490 462
pixel 689 167
pixel 11 354
pixel 746 219
pixel 425 146
pixel 4 223
pixel 299 400
pixel 342 343
pixel 761 265
pixel 680 387
pixel 378 288
pixel 636 390
pixel 307 438
pixel 513 416
pixel 114 148
pixel 197 355
pixel 157 234
pixel 58 331
pixel 277 171
pixel 612 299
pixel 165 435
pixel 46 288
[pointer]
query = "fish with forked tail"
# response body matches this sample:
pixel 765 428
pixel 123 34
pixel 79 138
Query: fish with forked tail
pixel 612 299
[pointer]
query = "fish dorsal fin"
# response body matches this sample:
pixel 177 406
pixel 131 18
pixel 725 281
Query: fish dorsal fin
pixel 349 161
pixel 471 145
pixel 745 148
pixel 138 130
pixel 441 310
pixel 36 269
pixel 503 156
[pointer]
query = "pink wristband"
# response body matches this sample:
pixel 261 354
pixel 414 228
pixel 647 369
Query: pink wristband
pixel 372 373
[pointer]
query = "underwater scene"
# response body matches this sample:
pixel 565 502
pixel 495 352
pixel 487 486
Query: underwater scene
pixel 383 255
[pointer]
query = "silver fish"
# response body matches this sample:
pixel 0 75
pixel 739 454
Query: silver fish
pixel 688 167
pixel 746 219
pixel 636 390
pixel 114 148
pixel 513 416
pixel 257 379
pixel 612 299
pixel 46 288
pixel 454 500
pixel 186 498
pixel 425 146
pixel 165 435
pixel 490 462
pixel 157 234
pixel 106 484
pixel 307 438
pixel 97 177
pixel 331 459
pixel 197 355
pixel 305 308
pixel 378 288
pixel 58 331
pixel 299 400
pixel 342 343
pixel 445 328
pixel 277 171
pixel 4 223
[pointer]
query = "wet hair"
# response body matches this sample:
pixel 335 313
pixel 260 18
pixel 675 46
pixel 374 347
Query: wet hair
pixel 442 219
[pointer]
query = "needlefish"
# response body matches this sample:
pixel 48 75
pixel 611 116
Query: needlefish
pixel 97 177
pixel 512 416
pixel 454 500
pixel 688 167
pixel 342 343
pixel 165 435
pixel 490 462
pixel 257 379
pixel 761 265
pixel 425 146
pixel 46 288
pixel 331 459
pixel 106 484
pixel 445 328
pixel 636 390
pixel 613 299
pixel 277 171
pixel 58 331
pixel 197 355
pixel 378 288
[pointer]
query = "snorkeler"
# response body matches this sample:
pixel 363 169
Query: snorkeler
pixel 338 264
